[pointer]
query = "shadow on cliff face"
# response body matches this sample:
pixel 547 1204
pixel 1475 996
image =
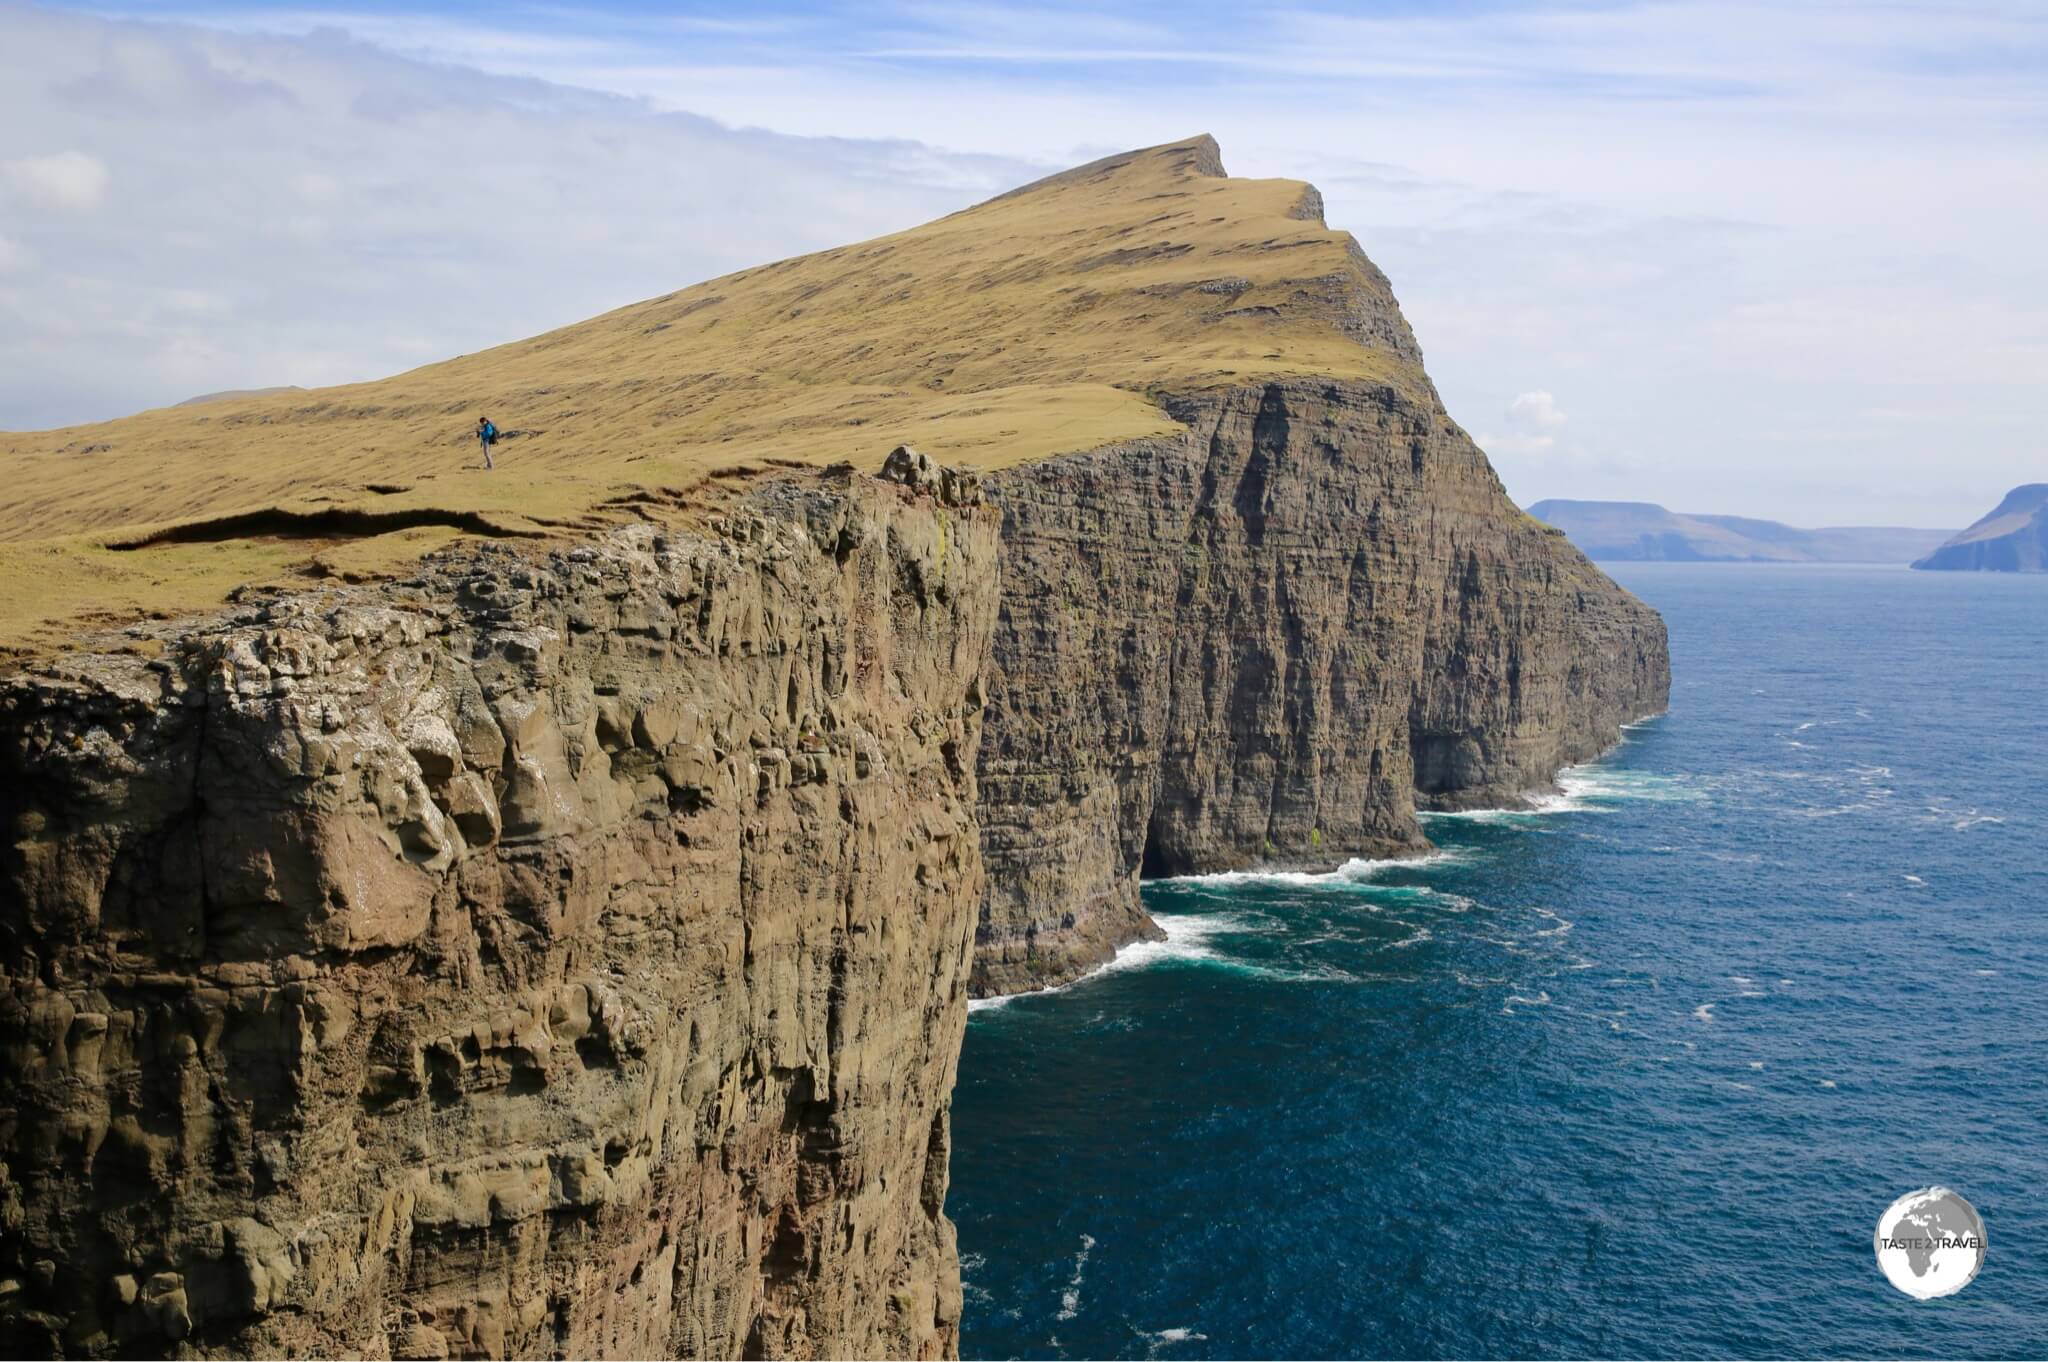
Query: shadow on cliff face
pixel 1446 763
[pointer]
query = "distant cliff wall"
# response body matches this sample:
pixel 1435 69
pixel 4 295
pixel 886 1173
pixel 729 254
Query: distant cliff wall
pixel 1273 638
pixel 542 957
pixel 2013 538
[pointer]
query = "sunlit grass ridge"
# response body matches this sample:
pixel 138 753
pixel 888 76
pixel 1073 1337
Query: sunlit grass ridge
pixel 1041 322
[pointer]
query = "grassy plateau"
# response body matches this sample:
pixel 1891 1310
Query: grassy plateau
pixel 1041 322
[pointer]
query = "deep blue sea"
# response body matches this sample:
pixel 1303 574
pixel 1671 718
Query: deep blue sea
pixel 1632 1076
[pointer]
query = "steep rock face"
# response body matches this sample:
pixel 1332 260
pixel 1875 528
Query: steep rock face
pixel 1271 639
pixel 542 957
pixel 2013 538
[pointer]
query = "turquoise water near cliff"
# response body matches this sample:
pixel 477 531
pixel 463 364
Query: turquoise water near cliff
pixel 1632 1076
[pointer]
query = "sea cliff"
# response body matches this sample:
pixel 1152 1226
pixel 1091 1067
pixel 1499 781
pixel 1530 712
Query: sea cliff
pixel 1271 639
pixel 551 955
pixel 561 945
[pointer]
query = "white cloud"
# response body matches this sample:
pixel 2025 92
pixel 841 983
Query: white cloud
pixel 1533 422
pixel 68 181
pixel 1535 411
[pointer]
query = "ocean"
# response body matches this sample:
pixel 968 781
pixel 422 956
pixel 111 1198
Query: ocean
pixel 1632 1075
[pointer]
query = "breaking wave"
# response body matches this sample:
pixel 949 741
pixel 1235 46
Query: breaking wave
pixel 1187 938
pixel 1357 870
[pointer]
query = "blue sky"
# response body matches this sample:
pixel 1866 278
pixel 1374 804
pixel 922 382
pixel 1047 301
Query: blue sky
pixel 1777 259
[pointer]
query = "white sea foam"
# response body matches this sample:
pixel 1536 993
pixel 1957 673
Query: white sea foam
pixel 1166 1338
pixel 1414 938
pixel 1357 870
pixel 1592 788
pixel 1606 782
pixel 1070 1299
pixel 1497 815
pixel 1187 938
pixel 1835 812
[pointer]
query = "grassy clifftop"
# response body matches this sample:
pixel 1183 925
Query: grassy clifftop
pixel 1034 324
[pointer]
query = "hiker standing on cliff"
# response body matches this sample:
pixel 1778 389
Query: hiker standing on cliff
pixel 486 435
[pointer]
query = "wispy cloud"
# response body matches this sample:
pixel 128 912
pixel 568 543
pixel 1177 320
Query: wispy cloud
pixel 1533 423
pixel 66 181
pixel 184 210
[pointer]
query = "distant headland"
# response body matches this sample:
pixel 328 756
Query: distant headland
pixel 2013 538
pixel 1642 531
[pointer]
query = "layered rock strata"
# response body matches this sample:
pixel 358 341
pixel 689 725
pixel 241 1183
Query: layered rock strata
pixel 554 956
pixel 1272 639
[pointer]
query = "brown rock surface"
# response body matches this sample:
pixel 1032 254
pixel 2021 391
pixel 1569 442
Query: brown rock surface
pixel 546 956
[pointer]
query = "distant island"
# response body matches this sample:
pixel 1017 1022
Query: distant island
pixel 229 394
pixel 2013 538
pixel 1642 531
